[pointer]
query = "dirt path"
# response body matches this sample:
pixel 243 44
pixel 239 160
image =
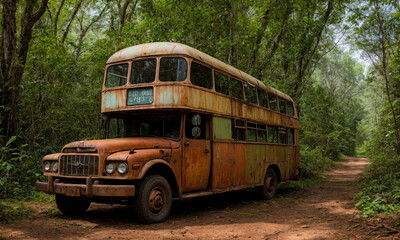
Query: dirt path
pixel 323 211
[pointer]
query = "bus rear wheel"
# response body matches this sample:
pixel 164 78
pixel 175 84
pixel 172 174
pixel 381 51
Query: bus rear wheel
pixel 153 200
pixel 71 206
pixel 268 190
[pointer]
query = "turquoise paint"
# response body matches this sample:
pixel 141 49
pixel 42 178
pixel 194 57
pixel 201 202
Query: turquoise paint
pixel 167 97
pixel 110 100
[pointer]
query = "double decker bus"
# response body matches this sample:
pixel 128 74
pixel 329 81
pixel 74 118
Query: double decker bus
pixel 179 124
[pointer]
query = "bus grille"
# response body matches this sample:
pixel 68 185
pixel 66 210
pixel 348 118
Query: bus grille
pixel 79 165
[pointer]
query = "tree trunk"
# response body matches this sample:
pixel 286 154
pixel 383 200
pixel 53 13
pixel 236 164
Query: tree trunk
pixel 13 58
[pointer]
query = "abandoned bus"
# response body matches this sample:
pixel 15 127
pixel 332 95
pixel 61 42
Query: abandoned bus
pixel 180 124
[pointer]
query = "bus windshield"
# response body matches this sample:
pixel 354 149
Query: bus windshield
pixel 144 125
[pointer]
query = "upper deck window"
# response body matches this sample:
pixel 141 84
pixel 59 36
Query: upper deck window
pixel 201 75
pixel 173 69
pixel 250 93
pixel 117 75
pixel 262 98
pixel 290 109
pixel 221 83
pixel 273 102
pixel 143 71
pixel 282 105
pixel 236 88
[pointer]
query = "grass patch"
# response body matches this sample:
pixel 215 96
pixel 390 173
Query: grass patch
pixel 302 183
pixel 53 210
pixel 10 213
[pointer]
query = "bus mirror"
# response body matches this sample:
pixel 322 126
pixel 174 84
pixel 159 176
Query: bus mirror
pixel 196 120
pixel 196 132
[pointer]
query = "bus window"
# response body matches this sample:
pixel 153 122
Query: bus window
pixel 173 69
pixel 222 128
pixel 251 132
pixel 239 130
pixel 236 88
pixel 282 105
pixel 117 75
pixel 262 98
pixel 261 133
pixel 221 83
pixel 290 136
pixel 201 75
pixel 273 103
pixel 116 128
pixel 153 125
pixel 283 135
pixel 290 109
pixel 143 71
pixel 250 93
pixel 272 134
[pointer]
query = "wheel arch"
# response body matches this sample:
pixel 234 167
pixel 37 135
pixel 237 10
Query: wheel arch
pixel 276 169
pixel 160 167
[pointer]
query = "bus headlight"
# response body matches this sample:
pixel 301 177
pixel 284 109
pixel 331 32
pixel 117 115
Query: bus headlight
pixel 47 166
pixel 122 168
pixel 110 168
pixel 55 167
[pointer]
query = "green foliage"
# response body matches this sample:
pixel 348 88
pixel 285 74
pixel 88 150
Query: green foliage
pixel 18 170
pixel 329 113
pixel 9 214
pixel 371 207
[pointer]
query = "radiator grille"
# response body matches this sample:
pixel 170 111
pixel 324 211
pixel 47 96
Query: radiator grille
pixel 79 165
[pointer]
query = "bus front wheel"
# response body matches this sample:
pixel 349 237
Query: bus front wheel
pixel 153 200
pixel 268 190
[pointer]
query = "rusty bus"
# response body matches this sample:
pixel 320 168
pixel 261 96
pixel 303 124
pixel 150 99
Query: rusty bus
pixel 180 124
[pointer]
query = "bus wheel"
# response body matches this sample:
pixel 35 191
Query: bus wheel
pixel 153 200
pixel 71 206
pixel 268 190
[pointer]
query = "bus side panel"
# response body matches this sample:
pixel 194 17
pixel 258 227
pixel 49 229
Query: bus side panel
pixel 228 165
pixel 256 163
pixel 260 156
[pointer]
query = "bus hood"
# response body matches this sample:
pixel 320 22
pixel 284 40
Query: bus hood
pixel 118 144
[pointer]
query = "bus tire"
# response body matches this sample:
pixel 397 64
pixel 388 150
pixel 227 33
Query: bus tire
pixel 268 190
pixel 71 206
pixel 153 200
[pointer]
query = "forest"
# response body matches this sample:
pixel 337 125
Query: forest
pixel 338 59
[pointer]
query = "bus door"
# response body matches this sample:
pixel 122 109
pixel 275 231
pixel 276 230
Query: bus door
pixel 196 161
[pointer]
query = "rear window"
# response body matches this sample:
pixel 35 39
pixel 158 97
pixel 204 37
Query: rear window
pixel 143 71
pixel 117 75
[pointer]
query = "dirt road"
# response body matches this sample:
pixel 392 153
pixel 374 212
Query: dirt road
pixel 323 211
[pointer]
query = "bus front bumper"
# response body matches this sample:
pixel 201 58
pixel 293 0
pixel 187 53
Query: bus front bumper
pixel 88 190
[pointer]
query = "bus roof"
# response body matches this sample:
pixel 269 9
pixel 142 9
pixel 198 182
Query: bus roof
pixel 163 48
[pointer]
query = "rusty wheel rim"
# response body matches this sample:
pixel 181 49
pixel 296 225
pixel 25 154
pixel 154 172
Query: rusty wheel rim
pixel 270 184
pixel 157 200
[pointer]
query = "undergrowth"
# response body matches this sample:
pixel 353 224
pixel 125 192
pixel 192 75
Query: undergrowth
pixel 10 213
pixel 381 189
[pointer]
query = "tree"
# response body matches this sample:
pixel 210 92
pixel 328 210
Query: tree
pixel 377 36
pixel 14 48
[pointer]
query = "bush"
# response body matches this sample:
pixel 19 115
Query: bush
pixel 9 214
pixel 19 170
